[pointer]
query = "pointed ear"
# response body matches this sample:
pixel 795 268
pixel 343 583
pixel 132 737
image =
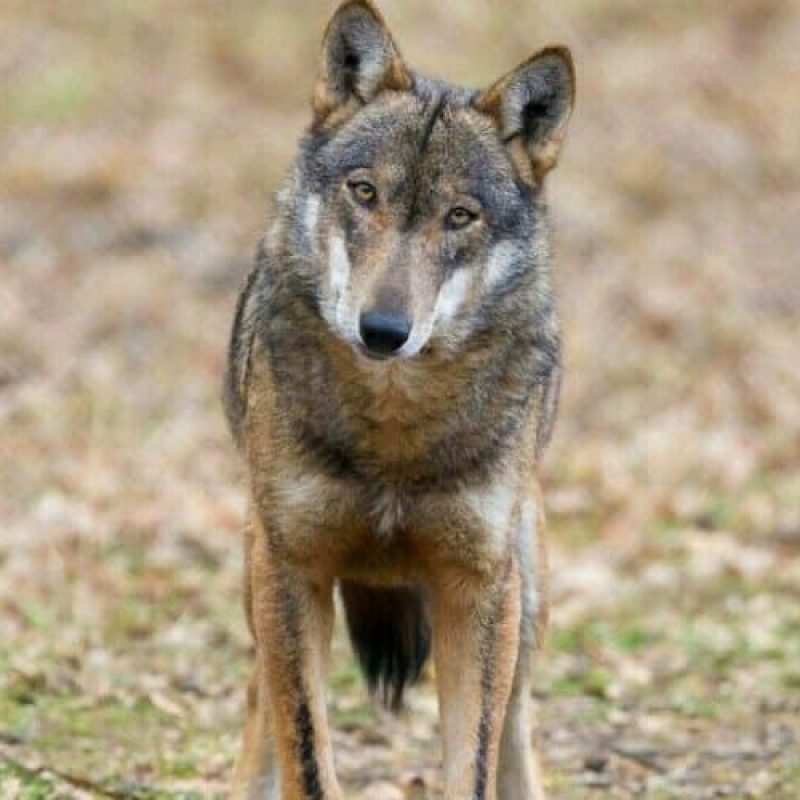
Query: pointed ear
pixel 359 59
pixel 531 106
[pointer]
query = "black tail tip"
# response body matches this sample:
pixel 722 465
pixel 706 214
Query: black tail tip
pixel 391 635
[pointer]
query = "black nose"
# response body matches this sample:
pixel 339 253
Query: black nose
pixel 383 332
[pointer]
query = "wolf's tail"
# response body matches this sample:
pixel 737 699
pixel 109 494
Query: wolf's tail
pixel 391 634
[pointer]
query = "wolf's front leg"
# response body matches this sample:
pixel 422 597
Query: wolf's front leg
pixel 476 630
pixel 519 775
pixel 292 619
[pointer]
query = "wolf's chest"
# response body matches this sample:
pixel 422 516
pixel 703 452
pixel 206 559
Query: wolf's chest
pixel 389 512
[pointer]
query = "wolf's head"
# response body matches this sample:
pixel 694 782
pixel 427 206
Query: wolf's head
pixel 419 202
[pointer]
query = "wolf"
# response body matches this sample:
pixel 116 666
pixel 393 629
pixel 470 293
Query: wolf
pixel 392 380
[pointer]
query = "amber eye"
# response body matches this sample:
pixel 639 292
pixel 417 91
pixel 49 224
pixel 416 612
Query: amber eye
pixel 363 192
pixel 459 217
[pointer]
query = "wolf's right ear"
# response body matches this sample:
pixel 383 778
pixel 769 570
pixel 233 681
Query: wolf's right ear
pixel 359 60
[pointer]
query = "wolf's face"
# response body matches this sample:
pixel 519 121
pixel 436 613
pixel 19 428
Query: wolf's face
pixel 421 201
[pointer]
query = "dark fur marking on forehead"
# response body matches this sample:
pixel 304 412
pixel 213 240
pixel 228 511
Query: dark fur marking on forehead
pixel 429 124
pixel 431 89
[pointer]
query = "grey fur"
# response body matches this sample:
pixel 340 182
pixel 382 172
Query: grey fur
pixel 402 480
pixel 286 292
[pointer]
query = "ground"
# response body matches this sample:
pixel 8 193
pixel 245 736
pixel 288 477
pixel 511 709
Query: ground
pixel 139 145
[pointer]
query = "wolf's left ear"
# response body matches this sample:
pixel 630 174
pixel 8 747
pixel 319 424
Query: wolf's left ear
pixel 531 107
pixel 359 60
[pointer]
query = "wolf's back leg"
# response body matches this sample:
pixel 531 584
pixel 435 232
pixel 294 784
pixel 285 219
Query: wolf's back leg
pixel 256 774
pixel 519 775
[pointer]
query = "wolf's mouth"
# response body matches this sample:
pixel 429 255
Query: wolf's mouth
pixel 374 355
pixel 397 357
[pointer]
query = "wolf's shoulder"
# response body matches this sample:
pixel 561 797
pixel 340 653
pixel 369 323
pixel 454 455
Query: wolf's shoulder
pixel 240 345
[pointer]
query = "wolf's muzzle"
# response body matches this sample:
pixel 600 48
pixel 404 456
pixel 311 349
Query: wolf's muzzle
pixel 383 333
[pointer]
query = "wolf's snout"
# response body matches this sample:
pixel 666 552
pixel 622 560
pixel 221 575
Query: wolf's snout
pixel 382 332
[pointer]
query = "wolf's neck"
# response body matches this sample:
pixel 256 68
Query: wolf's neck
pixel 430 421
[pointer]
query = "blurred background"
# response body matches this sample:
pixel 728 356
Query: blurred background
pixel 140 142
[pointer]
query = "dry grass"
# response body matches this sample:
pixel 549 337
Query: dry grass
pixel 139 142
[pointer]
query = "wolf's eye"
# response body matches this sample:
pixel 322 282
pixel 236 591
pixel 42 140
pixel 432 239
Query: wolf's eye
pixel 363 192
pixel 459 217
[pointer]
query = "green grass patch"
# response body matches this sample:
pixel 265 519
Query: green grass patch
pixel 15 781
pixel 57 94
pixel 593 682
pixel 629 637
